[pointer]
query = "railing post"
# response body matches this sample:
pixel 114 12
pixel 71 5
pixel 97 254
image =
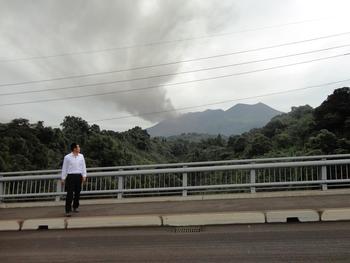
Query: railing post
pixel 1 189
pixel 184 183
pixel 252 180
pixel 58 190
pixel 324 176
pixel 120 185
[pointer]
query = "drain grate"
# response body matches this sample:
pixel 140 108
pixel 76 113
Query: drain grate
pixel 293 220
pixel 188 229
pixel 43 227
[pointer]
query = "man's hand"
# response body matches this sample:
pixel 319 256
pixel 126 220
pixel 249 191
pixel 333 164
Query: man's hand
pixel 84 179
pixel 62 181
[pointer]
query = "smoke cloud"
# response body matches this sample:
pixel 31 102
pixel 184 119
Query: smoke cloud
pixel 54 27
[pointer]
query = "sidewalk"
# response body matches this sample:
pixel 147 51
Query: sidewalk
pixel 317 203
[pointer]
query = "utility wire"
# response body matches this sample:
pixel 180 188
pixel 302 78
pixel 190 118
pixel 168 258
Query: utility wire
pixel 222 102
pixel 171 84
pixel 159 42
pixel 176 62
pixel 169 74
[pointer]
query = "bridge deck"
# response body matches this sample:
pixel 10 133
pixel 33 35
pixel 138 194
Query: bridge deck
pixel 178 207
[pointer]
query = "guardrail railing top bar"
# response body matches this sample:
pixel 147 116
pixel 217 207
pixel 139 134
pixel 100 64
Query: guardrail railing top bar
pixel 188 169
pixel 188 164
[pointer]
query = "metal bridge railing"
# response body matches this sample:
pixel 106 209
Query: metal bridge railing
pixel 296 173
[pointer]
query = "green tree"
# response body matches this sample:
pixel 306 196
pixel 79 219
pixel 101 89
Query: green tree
pixel 273 127
pixel 324 140
pixel 259 145
pixel 237 143
pixel 334 113
pixel 139 137
pixel 105 151
pixel 75 129
pixel 283 140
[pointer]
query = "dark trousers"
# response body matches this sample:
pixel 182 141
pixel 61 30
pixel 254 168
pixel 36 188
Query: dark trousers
pixel 73 185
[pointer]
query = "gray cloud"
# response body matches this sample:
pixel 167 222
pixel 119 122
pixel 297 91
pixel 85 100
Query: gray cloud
pixel 52 27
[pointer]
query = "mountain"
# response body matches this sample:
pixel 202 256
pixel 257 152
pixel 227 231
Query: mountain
pixel 236 120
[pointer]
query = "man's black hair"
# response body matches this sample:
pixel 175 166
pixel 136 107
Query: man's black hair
pixel 73 146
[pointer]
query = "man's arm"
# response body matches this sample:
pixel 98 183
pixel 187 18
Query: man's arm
pixel 84 174
pixel 64 169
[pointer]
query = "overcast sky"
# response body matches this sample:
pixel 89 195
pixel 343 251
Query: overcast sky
pixel 100 36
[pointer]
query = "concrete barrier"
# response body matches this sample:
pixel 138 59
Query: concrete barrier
pixel 113 221
pixel 336 214
pixel 281 216
pixel 44 223
pixel 214 219
pixel 9 225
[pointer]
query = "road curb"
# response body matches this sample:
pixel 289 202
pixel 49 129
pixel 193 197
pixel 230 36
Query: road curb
pixel 113 221
pixel 44 223
pixel 282 216
pixel 214 219
pixel 9 225
pixel 335 214
pixel 193 219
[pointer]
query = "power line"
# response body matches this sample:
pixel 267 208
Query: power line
pixel 176 62
pixel 171 74
pixel 222 102
pixel 160 42
pixel 171 84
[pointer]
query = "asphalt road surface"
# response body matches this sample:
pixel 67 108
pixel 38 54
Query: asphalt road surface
pixel 292 242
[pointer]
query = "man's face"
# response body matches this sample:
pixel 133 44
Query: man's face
pixel 77 149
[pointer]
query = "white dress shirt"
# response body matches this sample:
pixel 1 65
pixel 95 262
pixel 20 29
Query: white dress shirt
pixel 73 164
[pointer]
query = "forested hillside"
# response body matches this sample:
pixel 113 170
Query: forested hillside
pixel 302 131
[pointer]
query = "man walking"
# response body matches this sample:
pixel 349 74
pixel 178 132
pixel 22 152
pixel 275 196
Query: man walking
pixel 73 174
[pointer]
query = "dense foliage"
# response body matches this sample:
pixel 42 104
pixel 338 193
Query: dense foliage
pixel 303 131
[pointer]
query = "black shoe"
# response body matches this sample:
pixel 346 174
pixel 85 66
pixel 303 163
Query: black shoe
pixel 75 210
pixel 68 214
